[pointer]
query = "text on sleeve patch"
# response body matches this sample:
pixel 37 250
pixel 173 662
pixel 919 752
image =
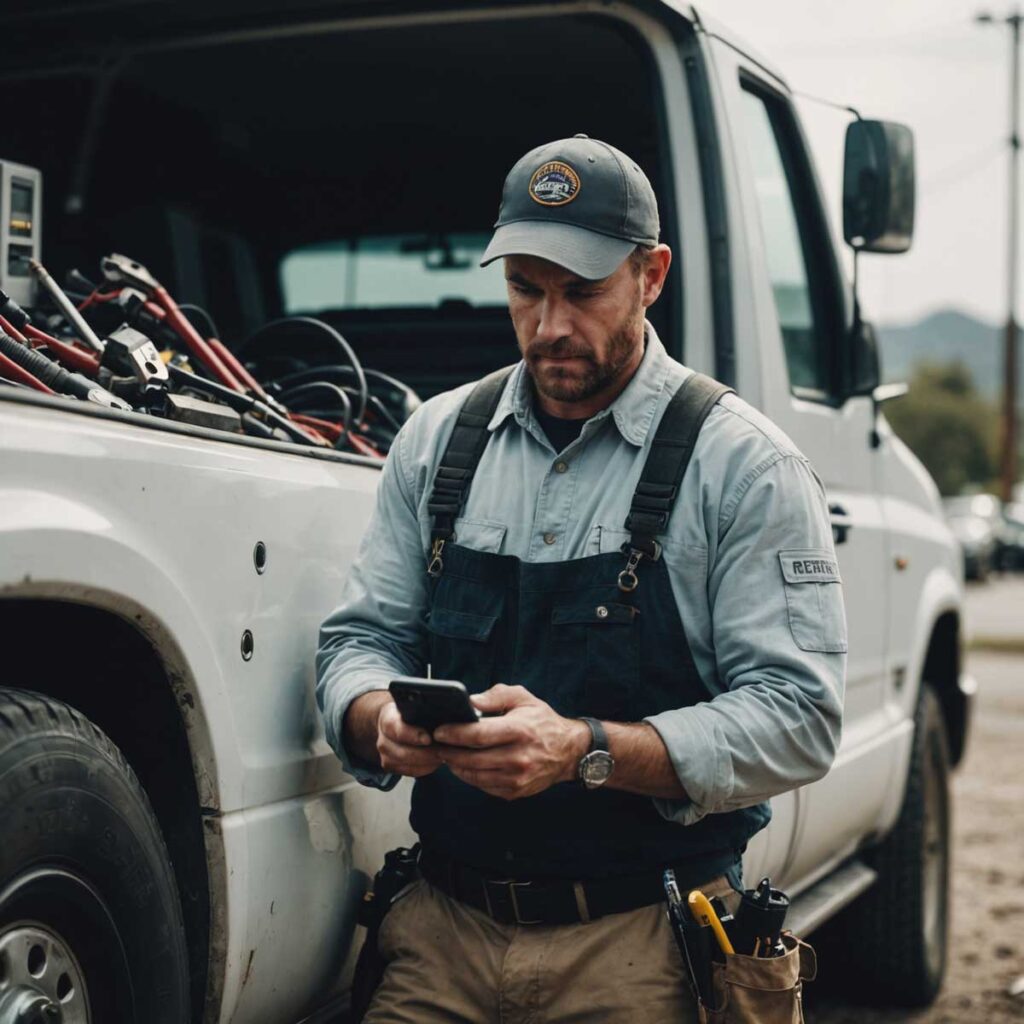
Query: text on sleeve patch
pixel 809 567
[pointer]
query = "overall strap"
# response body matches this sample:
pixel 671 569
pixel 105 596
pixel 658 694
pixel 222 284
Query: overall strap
pixel 460 459
pixel 663 472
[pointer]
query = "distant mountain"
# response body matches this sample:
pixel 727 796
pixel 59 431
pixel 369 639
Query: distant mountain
pixel 944 337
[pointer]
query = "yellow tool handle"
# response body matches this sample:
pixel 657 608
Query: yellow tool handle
pixel 700 907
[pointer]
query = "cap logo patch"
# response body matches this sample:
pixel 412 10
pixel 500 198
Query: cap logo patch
pixel 554 184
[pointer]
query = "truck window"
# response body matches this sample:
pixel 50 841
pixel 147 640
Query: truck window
pixel 792 238
pixel 391 271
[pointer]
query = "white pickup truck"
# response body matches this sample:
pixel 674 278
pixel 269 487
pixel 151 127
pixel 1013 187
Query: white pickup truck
pixel 179 843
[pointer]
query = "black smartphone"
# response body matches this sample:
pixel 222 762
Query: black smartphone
pixel 428 703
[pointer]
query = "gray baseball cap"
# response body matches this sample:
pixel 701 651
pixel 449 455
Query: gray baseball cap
pixel 578 202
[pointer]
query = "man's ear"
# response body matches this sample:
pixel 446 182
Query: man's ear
pixel 659 259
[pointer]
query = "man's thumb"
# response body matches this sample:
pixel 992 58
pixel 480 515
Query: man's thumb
pixel 497 698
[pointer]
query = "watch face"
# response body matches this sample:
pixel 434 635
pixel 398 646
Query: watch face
pixel 596 768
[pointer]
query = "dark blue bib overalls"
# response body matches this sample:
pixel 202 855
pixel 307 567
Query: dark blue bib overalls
pixel 599 636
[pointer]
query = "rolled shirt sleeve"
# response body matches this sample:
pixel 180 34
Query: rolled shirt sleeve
pixel 779 634
pixel 378 630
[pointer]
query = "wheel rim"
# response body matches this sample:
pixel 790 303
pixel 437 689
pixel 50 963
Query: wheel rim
pixel 61 957
pixel 41 981
pixel 935 840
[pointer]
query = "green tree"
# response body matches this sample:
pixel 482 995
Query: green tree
pixel 948 426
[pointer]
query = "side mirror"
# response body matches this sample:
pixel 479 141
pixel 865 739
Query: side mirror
pixel 878 186
pixel 863 373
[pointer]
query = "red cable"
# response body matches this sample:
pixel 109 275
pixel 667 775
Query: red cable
pixel 236 367
pixel 8 328
pixel 331 430
pixel 197 346
pixel 211 353
pixel 364 447
pixel 98 296
pixel 73 357
pixel 11 369
pixel 313 435
pixel 240 378
pixel 335 430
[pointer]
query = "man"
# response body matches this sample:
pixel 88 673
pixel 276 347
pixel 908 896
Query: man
pixel 600 545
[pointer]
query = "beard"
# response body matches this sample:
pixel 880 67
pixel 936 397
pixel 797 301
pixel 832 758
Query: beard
pixel 590 375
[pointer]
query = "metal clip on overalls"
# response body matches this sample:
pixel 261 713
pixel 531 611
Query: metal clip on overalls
pixel 662 475
pixel 459 462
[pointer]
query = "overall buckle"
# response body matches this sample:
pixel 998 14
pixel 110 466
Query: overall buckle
pixel 628 580
pixel 436 564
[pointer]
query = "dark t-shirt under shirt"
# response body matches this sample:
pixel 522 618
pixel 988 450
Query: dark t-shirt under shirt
pixel 561 433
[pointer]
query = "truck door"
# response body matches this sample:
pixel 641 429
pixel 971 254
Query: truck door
pixel 790 327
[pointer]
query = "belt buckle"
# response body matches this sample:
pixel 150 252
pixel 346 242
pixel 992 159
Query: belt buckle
pixel 513 899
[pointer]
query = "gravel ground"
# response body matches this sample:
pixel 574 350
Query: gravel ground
pixel 987 950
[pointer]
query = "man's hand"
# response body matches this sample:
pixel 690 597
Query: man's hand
pixel 376 734
pixel 403 748
pixel 523 752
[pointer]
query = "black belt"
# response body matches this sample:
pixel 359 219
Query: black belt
pixel 544 901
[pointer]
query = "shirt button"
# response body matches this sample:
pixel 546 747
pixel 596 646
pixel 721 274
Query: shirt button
pixel 549 538
pixel 561 467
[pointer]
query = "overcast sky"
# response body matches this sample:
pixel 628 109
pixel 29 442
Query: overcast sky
pixel 927 64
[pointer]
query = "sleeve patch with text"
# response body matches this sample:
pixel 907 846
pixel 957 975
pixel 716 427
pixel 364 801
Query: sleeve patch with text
pixel 809 567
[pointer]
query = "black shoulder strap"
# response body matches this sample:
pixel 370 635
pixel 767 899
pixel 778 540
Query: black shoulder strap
pixel 667 460
pixel 462 456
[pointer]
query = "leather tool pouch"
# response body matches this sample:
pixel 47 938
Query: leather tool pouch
pixel 762 990
pixel 398 872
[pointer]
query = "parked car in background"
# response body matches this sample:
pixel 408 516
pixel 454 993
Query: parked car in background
pixel 977 523
pixel 984 506
pixel 1012 537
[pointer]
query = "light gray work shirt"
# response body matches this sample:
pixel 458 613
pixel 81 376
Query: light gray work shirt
pixel 748 548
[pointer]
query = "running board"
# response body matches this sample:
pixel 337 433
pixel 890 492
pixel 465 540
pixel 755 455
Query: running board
pixel 335 1012
pixel 813 908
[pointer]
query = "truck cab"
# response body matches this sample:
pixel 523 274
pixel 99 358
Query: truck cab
pixel 343 162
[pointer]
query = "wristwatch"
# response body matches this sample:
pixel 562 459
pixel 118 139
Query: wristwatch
pixel 596 766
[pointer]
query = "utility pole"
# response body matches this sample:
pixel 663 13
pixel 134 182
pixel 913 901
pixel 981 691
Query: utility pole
pixel 1008 459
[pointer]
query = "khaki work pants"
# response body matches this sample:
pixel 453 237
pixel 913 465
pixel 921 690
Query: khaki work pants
pixel 450 963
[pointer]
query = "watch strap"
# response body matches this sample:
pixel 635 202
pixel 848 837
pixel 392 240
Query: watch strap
pixel 598 737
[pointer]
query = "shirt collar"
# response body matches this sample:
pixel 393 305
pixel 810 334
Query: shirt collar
pixel 633 411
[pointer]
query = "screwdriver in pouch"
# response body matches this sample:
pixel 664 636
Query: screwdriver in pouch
pixel 692 940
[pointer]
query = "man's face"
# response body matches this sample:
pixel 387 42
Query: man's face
pixel 580 338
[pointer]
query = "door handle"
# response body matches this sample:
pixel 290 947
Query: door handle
pixel 841 523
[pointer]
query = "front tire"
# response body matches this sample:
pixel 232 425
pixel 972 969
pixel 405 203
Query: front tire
pixel 891 944
pixel 90 918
